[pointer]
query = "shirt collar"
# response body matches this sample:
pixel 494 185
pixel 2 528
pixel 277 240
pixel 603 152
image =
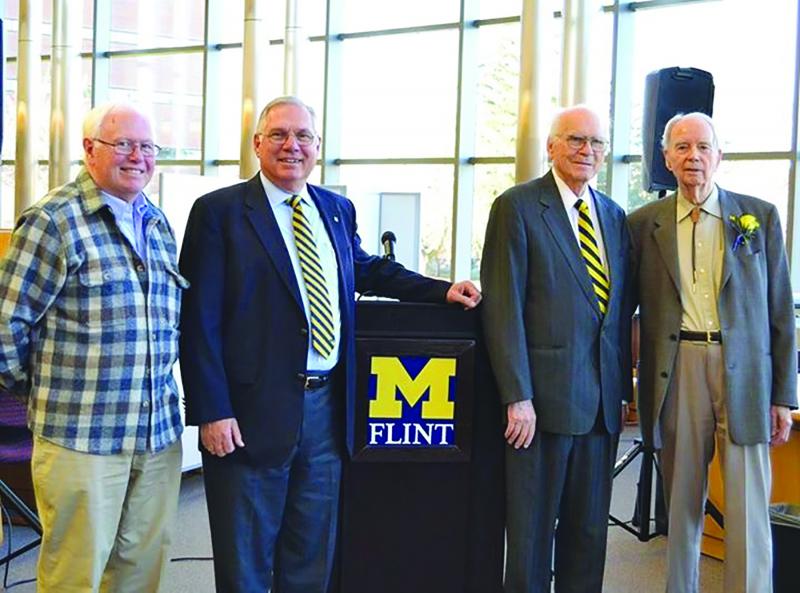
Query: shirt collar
pixel 276 196
pixel 121 207
pixel 568 196
pixel 711 204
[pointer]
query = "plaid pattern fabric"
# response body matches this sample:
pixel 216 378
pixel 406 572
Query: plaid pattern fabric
pixel 89 332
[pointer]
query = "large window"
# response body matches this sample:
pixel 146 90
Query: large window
pixel 144 24
pixel 749 50
pixel 369 15
pixel 497 90
pixel 9 11
pixel 384 114
pixel 417 97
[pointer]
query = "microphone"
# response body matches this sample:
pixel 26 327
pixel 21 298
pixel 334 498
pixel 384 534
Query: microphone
pixel 388 240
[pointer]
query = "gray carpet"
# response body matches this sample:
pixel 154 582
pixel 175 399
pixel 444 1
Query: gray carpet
pixel 632 567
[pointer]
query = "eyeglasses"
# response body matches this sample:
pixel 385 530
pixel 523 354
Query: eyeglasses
pixel 124 147
pixel 279 137
pixel 578 142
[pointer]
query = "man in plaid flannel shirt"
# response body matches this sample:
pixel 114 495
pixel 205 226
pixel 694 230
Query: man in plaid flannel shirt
pixel 89 308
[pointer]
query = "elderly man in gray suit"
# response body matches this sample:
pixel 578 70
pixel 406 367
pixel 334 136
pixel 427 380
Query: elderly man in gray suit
pixel 718 357
pixel 557 326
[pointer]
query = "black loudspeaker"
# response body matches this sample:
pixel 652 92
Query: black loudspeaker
pixel 666 92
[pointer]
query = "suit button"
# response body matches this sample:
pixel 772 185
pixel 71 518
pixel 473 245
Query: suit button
pixel 673 337
pixel 664 374
pixel 303 331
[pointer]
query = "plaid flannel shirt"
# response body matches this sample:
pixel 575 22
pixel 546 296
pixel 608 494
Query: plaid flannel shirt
pixel 89 331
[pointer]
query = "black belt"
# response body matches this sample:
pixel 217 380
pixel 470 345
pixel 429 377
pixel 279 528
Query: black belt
pixel 711 337
pixel 316 380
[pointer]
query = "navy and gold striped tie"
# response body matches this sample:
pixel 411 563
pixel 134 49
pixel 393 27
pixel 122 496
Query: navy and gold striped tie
pixel 319 301
pixel 591 256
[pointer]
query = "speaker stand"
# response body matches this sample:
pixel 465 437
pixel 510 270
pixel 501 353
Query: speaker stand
pixel 642 513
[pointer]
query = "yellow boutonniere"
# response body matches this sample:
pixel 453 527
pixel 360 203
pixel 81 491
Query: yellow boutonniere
pixel 746 226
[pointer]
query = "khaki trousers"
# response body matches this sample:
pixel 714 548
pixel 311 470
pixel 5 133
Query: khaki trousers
pixel 693 420
pixel 107 519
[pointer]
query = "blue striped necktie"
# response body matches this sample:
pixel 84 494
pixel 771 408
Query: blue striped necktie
pixel 319 301
pixel 591 256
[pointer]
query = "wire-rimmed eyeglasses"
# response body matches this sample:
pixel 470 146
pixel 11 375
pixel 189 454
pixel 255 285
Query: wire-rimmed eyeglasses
pixel 279 137
pixel 578 142
pixel 124 147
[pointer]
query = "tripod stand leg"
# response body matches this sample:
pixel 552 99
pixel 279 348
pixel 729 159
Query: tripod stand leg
pixel 16 503
pixel 661 506
pixel 644 495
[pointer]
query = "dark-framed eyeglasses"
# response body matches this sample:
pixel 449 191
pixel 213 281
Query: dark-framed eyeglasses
pixel 578 142
pixel 124 147
pixel 279 137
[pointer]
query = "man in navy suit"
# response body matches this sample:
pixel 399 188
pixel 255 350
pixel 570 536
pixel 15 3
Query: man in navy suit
pixel 268 355
pixel 557 324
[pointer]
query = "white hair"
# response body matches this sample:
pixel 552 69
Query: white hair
pixel 285 100
pixel 678 117
pixel 96 117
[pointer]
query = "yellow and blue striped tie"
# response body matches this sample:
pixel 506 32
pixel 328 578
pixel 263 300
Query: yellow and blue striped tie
pixel 319 301
pixel 591 256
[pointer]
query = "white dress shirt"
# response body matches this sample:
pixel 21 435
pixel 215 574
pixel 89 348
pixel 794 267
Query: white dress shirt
pixel 327 257
pixel 569 198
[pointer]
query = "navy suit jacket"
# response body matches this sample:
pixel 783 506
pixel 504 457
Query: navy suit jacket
pixel 546 337
pixel 244 333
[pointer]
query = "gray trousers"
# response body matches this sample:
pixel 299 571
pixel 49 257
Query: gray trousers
pixel 558 495
pixel 693 421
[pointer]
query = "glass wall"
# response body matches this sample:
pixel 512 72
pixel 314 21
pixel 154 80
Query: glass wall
pixel 750 50
pixel 421 96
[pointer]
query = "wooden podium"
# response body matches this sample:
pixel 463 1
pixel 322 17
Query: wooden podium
pixel 423 497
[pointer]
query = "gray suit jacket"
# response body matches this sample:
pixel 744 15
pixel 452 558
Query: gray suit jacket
pixel 546 338
pixel 755 308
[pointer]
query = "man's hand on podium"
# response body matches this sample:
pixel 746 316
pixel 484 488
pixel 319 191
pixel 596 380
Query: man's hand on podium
pixel 464 293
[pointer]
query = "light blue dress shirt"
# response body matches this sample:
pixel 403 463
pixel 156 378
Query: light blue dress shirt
pixel 129 216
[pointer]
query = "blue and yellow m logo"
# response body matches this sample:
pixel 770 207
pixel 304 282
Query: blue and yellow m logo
pixel 392 377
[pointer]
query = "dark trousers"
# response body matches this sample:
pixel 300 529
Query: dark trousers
pixel 276 526
pixel 559 488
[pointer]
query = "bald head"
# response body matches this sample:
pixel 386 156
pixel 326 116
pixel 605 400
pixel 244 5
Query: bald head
pixel 569 115
pixel 576 146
